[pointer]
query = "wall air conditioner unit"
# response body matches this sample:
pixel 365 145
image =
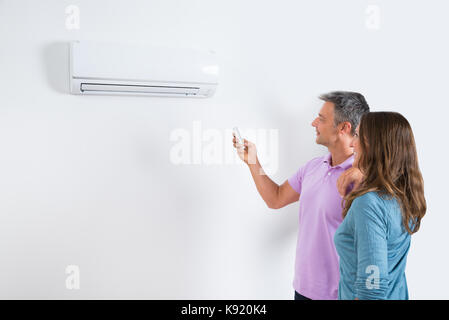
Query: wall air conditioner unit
pixel 114 69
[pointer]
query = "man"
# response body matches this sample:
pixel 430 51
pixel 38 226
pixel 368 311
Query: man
pixel 315 183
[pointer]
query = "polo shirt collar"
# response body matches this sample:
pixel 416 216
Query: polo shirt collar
pixel 345 164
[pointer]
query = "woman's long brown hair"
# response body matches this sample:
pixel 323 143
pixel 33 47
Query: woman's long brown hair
pixel 389 163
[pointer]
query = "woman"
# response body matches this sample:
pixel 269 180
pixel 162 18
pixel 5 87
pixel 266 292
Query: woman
pixel 382 212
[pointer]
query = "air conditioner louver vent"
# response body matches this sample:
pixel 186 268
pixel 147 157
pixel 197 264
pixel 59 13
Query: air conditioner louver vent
pixel 139 89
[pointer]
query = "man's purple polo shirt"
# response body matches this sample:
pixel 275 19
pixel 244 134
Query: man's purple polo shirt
pixel 320 208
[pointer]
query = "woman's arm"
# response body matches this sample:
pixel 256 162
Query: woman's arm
pixel 370 233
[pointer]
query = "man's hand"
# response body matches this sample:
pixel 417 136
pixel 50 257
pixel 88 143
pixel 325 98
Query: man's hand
pixel 247 152
pixel 351 176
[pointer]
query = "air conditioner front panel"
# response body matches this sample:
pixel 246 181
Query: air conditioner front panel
pixel 96 61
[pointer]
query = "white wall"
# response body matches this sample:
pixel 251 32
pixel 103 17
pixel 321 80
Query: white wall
pixel 88 180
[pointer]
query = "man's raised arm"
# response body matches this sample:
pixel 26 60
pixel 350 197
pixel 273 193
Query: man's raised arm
pixel 275 196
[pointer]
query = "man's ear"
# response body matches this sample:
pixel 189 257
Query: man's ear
pixel 346 127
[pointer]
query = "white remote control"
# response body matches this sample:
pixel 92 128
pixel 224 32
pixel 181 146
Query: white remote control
pixel 238 136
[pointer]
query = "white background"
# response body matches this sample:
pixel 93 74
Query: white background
pixel 88 180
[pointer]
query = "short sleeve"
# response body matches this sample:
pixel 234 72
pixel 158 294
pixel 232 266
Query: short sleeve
pixel 295 180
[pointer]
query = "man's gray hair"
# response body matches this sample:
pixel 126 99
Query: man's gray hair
pixel 349 106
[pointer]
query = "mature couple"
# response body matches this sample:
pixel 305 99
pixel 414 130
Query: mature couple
pixel 359 204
